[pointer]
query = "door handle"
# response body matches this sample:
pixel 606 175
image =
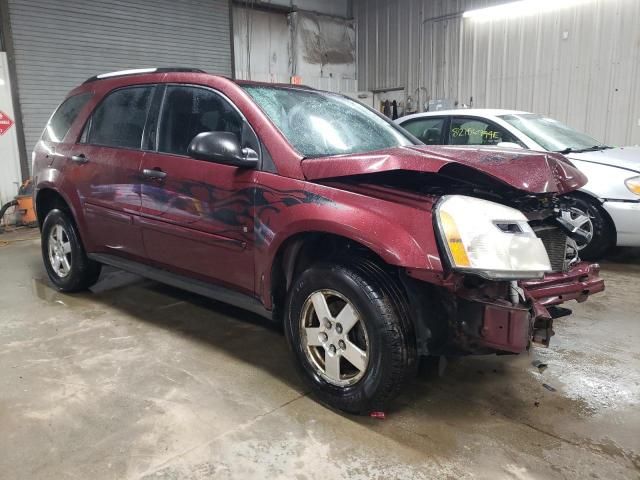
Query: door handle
pixel 154 173
pixel 80 159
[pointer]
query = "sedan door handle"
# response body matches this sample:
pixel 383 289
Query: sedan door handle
pixel 154 173
pixel 79 159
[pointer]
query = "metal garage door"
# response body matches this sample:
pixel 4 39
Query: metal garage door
pixel 59 44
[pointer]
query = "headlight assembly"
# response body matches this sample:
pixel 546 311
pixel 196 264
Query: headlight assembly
pixel 489 239
pixel 633 184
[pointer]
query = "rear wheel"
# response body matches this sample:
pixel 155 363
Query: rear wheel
pixel 591 220
pixel 64 257
pixel 352 342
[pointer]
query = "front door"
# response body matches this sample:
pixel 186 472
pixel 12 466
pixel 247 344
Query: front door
pixel 197 216
pixel 106 165
pixel 477 131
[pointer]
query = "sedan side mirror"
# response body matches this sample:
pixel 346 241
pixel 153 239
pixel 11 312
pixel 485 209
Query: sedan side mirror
pixel 509 145
pixel 222 147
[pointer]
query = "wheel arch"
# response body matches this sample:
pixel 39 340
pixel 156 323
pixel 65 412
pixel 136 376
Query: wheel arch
pixel 591 197
pixel 302 249
pixel 48 198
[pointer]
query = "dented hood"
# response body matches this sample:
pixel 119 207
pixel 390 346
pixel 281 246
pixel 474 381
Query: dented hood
pixel 529 171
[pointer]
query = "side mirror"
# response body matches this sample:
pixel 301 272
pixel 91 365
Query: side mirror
pixel 509 145
pixel 222 147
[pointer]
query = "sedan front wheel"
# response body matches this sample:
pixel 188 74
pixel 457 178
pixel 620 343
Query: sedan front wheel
pixel 589 218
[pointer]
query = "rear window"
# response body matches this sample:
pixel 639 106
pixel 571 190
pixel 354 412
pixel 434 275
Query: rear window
pixel 119 120
pixel 427 129
pixel 61 121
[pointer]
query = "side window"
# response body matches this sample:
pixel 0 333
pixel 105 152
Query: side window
pixel 471 131
pixel 119 120
pixel 428 129
pixel 64 116
pixel 188 111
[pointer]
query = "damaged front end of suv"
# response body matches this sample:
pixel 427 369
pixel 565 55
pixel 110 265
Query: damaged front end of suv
pixel 313 210
pixel 505 257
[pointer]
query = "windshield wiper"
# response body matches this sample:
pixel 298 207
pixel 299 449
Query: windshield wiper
pixel 565 151
pixel 580 150
pixel 595 148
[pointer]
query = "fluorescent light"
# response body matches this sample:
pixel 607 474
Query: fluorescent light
pixel 519 9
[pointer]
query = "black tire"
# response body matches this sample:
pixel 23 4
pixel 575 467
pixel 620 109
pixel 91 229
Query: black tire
pixel 83 272
pixel 604 233
pixel 392 358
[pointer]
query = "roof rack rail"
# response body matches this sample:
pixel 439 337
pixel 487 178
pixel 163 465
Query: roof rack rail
pixel 138 71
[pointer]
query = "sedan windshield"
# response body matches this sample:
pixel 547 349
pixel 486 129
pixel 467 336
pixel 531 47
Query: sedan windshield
pixel 551 134
pixel 321 124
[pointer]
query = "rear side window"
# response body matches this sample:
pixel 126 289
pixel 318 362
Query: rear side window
pixel 429 129
pixel 188 111
pixel 64 116
pixel 119 120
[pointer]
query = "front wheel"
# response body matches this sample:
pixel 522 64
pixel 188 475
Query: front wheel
pixel 348 329
pixel 590 219
pixel 64 257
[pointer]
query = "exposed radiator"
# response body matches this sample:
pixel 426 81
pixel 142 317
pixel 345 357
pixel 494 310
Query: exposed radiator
pixel 555 241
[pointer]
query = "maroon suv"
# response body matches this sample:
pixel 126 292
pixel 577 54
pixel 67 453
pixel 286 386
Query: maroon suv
pixel 312 210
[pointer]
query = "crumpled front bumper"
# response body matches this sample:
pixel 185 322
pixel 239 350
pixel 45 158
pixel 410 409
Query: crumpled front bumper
pixel 499 325
pixel 555 288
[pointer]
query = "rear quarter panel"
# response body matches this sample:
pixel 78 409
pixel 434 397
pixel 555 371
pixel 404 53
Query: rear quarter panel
pixel 50 161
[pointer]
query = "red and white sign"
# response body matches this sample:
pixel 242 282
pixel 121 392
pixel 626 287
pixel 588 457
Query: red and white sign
pixel 5 123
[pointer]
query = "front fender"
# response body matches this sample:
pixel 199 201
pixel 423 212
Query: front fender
pixel 606 181
pixel 402 250
pixel 399 233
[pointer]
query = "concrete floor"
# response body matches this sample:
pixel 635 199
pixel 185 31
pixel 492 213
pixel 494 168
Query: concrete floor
pixel 138 380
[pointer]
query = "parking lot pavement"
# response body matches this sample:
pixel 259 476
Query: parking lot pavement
pixel 138 380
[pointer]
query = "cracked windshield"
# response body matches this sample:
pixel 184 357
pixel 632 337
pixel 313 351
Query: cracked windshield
pixel 319 124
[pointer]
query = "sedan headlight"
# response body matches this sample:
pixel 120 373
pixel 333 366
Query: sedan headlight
pixel 633 184
pixel 489 239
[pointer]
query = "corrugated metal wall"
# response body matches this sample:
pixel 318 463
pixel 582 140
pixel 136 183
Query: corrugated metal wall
pixel 273 46
pixel 579 64
pixel 262 45
pixel 59 44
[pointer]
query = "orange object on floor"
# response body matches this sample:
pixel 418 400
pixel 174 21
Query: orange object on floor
pixel 25 214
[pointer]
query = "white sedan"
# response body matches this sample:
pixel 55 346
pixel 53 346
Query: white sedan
pixel 606 210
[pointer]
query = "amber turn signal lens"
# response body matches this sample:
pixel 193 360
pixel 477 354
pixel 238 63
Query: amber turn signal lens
pixel 452 235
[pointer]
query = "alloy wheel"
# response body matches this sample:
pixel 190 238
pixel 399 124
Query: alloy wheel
pixel 59 248
pixel 334 338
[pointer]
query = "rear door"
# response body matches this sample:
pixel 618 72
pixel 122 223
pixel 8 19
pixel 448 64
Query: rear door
pixel 106 169
pixel 197 216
